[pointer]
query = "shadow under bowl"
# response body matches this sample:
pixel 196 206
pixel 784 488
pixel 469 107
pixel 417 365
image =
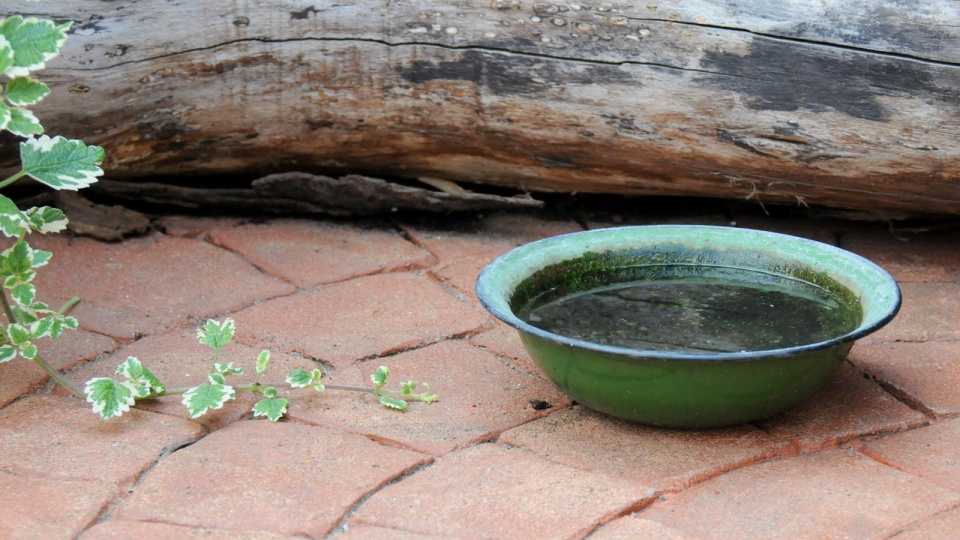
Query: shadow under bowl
pixel 690 389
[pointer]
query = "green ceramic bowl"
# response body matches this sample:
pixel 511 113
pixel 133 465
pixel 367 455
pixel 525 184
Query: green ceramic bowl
pixel 684 389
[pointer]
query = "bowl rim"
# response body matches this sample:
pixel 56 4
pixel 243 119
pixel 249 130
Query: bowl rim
pixel 499 307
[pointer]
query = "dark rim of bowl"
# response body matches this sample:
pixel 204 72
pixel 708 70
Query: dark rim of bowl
pixel 640 354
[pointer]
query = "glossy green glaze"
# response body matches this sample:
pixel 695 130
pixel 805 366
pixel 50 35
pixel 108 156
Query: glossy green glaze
pixel 683 390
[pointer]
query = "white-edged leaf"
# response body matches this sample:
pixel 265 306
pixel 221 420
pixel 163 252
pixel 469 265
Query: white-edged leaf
pixel 34 42
pixel 23 123
pixel 24 294
pixel 7 353
pixel 216 334
pixel 379 378
pixel 18 334
pixel 28 351
pixel 301 378
pixel 61 163
pixel 262 359
pixel 393 403
pixel 43 327
pixel 12 220
pixel 46 219
pixel 25 91
pixel 5 115
pixel 272 408
pixel 200 399
pixel 109 397
pixel 17 260
pixel 6 55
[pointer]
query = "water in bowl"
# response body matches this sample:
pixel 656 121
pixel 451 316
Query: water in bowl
pixel 701 315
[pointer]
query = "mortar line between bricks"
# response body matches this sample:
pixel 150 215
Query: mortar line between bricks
pixel 920 521
pixel 339 528
pixel 124 493
pixel 205 237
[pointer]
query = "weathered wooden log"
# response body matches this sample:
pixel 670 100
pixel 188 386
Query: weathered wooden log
pixel 846 103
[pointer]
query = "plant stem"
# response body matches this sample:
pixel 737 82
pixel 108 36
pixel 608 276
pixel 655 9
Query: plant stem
pixel 69 305
pixel 12 179
pixel 54 374
pixel 255 387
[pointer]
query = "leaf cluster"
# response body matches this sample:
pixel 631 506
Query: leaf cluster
pixel 112 397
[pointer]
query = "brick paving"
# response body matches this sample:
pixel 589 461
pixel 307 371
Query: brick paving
pixel 503 454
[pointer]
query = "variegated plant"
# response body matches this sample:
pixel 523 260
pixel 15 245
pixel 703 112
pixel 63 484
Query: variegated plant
pixel 112 397
pixel 26 44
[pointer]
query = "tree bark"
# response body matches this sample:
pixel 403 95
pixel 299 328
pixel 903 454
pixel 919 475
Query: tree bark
pixel 845 103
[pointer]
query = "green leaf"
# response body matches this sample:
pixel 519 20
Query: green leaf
pixel 272 408
pixel 393 403
pixel 46 219
pixel 380 377
pixel 28 351
pixel 17 261
pixel 61 323
pixel 6 113
pixel 109 397
pixel 61 163
pixel 7 353
pixel 12 220
pixel 24 124
pixel 227 369
pixel 34 42
pixel 202 398
pixel 42 327
pixel 24 294
pixel 18 334
pixel 262 360
pixel 216 334
pixel 301 378
pixel 141 380
pixel 130 368
pixel 24 91
pixel 6 55
pixel 217 378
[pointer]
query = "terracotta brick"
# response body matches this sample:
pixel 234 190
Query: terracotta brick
pixel 504 341
pixel 60 437
pixel 44 508
pixel 166 531
pixel 461 274
pixel 929 313
pixel 828 494
pixel 932 452
pixel 360 318
pixel 633 527
pixel 943 525
pixel 488 491
pixel 254 475
pixel 910 257
pixel 146 285
pixel 367 532
pixel 179 361
pixel 667 460
pixel 926 375
pixel 310 253
pixel 20 376
pixel 847 407
pixel 491 237
pixel 480 397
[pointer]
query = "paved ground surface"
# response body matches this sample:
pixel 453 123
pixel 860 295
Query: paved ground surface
pixel 875 454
